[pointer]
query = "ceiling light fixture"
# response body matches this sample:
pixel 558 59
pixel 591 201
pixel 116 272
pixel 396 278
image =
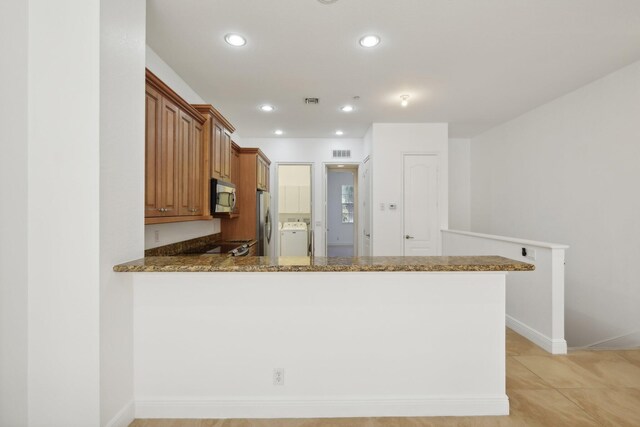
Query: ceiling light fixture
pixel 340 166
pixel 405 100
pixel 278 132
pixel 369 41
pixel 235 40
pixel 347 108
pixel 267 108
pixel 339 133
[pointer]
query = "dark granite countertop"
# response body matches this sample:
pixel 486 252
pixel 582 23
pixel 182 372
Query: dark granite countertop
pixel 224 263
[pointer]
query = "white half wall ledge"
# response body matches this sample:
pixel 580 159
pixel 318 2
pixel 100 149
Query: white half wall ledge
pixel 535 300
pixel 323 407
pixel 509 239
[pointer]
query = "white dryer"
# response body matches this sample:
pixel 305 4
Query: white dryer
pixel 294 239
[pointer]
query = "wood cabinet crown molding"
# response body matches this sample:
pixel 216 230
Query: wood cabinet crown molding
pixel 255 151
pixel 209 109
pixel 161 86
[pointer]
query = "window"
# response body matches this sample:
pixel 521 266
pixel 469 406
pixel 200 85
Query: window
pixel 347 204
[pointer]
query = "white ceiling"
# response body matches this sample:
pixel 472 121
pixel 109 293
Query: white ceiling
pixel 472 63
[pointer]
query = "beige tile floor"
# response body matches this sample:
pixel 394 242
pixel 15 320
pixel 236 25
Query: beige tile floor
pixel 583 388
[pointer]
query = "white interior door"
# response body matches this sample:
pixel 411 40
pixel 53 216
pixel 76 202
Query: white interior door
pixel 421 222
pixel 366 208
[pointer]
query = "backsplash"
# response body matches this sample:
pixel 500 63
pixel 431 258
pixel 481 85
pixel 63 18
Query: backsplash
pixel 156 235
pixel 184 246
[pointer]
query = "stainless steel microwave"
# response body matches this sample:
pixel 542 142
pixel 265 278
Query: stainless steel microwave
pixel 223 196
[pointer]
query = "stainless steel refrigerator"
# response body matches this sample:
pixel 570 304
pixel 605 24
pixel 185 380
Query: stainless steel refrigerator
pixel 265 224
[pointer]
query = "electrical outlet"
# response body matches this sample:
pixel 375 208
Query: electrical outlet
pixel 278 376
pixel 156 236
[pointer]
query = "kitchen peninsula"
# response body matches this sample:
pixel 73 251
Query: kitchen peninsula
pixel 319 337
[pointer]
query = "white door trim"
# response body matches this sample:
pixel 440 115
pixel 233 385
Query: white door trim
pixel 355 168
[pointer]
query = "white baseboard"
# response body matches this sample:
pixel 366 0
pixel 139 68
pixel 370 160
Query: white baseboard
pixel 124 417
pixel 322 407
pixel 553 346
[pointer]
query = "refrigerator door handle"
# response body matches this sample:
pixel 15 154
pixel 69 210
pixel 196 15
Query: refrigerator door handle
pixel 269 227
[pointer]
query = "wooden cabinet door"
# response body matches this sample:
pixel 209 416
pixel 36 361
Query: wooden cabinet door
pixel 152 156
pixel 262 174
pixel 226 157
pixel 168 163
pixel 185 175
pixel 217 138
pixel 191 178
pixel 258 173
pixel 197 173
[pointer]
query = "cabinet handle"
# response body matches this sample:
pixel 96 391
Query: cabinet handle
pixel 162 209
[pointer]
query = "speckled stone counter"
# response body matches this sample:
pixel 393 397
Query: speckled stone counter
pixel 222 263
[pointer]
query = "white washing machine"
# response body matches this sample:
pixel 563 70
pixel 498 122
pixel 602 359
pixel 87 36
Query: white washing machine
pixel 294 239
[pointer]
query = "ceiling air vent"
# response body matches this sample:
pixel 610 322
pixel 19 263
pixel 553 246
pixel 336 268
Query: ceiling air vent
pixel 341 154
pixel 312 100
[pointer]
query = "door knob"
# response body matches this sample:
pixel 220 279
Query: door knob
pixel 408 237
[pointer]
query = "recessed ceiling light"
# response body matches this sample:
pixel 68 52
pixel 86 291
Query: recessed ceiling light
pixel 369 41
pixel 339 132
pixel 235 40
pixel 340 166
pixel 405 100
pixel 267 107
pixel 347 108
pixel 278 131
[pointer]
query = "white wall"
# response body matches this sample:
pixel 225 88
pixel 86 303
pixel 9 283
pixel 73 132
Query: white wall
pixel 351 344
pixel 339 233
pixel 167 74
pixel 63 213
pixel 315 151
pixel 13 218
pixel 459 184
pixel 179 231
pixel 122 61
pixel 568 171
pixel 390 142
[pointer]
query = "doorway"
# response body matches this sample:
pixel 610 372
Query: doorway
pixel 295 233
pixel 421 216
pixel 341 214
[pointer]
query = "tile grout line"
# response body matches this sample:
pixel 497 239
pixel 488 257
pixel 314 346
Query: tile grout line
pixel 577 404
pixel 534 374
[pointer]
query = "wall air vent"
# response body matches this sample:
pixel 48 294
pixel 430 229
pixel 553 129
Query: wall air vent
pixel 341 154
pixel 312 100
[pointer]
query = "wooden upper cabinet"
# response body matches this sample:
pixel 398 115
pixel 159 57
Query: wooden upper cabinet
pixel 174 181
pixel 216 149
pixel 152 155
pixel 167 173
pixel 226 157
pixel 217 142
pixel 262 172
pixel 185 161
pixel 200 184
